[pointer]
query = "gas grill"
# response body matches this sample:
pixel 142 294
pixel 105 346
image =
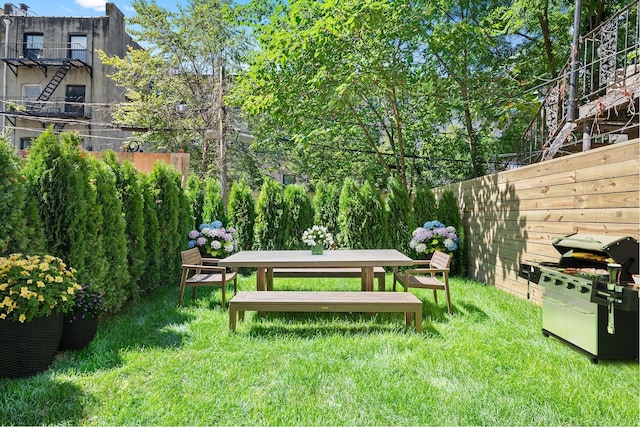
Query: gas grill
pixel 587 301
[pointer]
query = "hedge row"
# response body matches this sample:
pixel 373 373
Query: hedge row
pixel 120 229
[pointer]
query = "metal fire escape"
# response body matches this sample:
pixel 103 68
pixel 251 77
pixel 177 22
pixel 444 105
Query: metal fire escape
pixel 606 85
pixel 48 90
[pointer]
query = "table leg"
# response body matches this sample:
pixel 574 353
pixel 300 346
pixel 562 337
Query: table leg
pixel 367 275
pixel 260 278
pixel 269 279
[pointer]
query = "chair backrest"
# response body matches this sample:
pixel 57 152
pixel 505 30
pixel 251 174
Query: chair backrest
pixel 440 260
pixel 191 257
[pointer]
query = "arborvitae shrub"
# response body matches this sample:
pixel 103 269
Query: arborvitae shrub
pixel 350 216
pixel 129 190
pixel 449 214
pixel 373 232
pixel 326 205
pixel 399 216
pixel 298 215
pixel 116 286
pixel 195 192
pixel 213 208
pixel 166 186
pixel 153 266
pixel 18 232
pixel 269 212
pixel 242 213
pixel 59 180
pixel 425 207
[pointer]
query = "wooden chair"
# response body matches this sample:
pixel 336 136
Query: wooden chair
pixel 204 275
pixel 427 278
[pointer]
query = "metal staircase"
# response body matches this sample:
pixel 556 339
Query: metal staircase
pixel 608 86
pixel 50 88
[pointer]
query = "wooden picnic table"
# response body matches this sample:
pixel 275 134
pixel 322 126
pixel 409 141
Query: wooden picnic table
pixel 365 259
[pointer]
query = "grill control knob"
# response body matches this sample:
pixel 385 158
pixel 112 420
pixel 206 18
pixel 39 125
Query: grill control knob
pixel 583 289
pixel 570 286
pixel 558 282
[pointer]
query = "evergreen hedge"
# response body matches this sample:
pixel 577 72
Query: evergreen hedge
pixel 373 230
pixel 195 193
pixel 425 207
pixel 326 205
pixel 20 230
pixel 213 205
pixel 153 266
pixel 129 190
pixel 399 216
pixel 297 216
pixel 269 233
pixel 116 285
pixel 449 214
pixel 242 213
pixel 350 215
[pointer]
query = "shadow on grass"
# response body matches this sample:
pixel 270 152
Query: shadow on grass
pixel 154 322
pixel 40 400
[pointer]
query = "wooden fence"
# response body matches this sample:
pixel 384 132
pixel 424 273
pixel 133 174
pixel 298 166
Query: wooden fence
pixel 513 216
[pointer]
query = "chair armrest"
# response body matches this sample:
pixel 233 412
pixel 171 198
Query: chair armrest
pixel 421 261
pixel 427 270
pixel 203 267
pixel 210 260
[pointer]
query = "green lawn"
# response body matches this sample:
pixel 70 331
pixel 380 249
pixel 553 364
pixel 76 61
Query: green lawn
pixel 488 364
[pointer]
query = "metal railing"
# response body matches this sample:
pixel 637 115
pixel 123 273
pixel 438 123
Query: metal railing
pixel 609 60
pixel 38 52
pixel 54 107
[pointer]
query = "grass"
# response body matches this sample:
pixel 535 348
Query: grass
pixel 488 364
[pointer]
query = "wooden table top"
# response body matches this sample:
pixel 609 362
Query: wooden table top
pixel 330 258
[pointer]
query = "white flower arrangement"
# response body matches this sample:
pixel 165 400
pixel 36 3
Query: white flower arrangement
pixel 318 234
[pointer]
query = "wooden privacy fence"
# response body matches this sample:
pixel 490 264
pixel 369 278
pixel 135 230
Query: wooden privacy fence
pixel 513 216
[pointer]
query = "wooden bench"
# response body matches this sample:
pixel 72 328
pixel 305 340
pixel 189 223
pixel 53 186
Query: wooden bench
pixel 311 301
pixel 326 272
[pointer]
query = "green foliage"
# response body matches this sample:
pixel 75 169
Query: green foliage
pixel 425 207
pixel 326 205
pixel 269 213
pixel 116 285
pixel 373 222
pixel 297 217
pixel 195 193
pixel 213 207
pixel 165 181
pixel 242 213
pixel 351 213
pixel 59 180
pixel 19 232
pixel 129 190
pixel 399 216
pixel 449 214
pixel 153 268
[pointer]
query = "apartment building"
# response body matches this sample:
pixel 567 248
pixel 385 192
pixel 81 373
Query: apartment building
pixel 52 76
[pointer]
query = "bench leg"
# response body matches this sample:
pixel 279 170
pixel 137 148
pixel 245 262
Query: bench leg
pixel 232 317
pixel 418 315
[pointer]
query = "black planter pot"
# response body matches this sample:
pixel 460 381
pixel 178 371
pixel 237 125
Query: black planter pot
pixel 30 347
pixel 78 334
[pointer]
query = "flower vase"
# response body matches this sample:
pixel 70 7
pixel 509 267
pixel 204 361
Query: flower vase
pixel 77 334
pixel 30 347
pixel 318 249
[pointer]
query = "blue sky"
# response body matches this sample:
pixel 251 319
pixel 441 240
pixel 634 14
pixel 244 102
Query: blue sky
pixel 84 7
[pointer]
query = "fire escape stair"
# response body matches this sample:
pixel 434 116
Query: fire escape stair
pixel 51 86
pixel 555 143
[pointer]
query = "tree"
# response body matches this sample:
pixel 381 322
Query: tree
pixel 191 54
pixel 269 212
pixel 297 217
pixel 213 206
pixel 242 213
pixel 399 216
pixel 326 205
pixel 341 73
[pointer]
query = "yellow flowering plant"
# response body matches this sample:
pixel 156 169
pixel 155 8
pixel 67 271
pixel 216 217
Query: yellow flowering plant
pixel 34 286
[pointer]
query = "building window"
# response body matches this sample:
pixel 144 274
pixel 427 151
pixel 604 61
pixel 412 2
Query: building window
pixel 33 45
pixel 74 100
pixel 78 48
pixel 24 143
pixel 30 92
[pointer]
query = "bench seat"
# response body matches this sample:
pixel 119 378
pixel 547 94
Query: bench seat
pixel 329 272
pixel 312 301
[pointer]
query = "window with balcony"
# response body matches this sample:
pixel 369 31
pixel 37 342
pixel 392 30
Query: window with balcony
pixel 78 48
pixel 33 45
